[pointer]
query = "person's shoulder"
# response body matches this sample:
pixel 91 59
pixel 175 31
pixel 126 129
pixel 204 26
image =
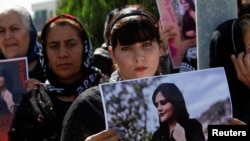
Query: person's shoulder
pixel 193 122
pixel 91 90
pixel 226 24
pixel 88 99
pixel 90 93
pixel 156 135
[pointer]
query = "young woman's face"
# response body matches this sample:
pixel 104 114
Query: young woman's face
pixel 137 60
pixel 65 52
pixel 246 40
pixel 164 108
pixel 14 36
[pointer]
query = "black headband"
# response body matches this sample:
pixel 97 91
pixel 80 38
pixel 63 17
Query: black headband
pixel 132 13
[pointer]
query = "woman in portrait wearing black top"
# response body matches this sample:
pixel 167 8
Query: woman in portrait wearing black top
pixel 175 124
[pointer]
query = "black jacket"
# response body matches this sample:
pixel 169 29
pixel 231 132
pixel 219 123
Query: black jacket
pixel 38 117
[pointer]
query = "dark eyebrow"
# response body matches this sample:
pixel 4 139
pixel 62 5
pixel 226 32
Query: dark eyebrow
pixel 52 42
pixel 69 40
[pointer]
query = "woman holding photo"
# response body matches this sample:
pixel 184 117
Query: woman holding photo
pixel 135 48
pixel 67 54
pixel 18 38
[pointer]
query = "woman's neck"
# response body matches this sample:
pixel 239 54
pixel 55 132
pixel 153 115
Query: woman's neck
pixel 71 79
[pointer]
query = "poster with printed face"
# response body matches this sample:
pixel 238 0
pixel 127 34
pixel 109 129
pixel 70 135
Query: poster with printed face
pixel 13 74
pixel 181 16
pixel 141 107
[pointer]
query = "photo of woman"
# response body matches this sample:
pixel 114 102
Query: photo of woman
pixel 175 107
pixel 175 123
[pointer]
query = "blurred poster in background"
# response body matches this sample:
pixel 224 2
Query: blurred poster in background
pixel 13 74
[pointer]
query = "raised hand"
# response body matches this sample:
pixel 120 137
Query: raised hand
pixel 179 133
pixel 242 67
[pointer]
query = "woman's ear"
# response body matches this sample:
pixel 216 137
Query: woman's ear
pixel 111 51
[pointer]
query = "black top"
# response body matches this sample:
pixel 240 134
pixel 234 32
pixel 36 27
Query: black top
pixel 4 108
pixel 38 72
pixel 188 24
pixel 33 120
pixel 85 117
pixel 193 132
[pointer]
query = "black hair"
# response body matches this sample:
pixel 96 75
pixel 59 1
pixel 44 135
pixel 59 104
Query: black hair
pixel 108 19
pixel 173 94
pixel 191 3
pixel 133 25
pixel 243 8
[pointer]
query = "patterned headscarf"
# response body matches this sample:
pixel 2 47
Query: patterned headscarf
pixel 91 75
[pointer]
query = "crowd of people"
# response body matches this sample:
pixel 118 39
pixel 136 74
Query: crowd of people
pixel 69 106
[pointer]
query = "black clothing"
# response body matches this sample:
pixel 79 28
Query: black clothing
pixel 227 40
pixel 3 107
pixel 33 120
pixel 40 114
pixel 38 117
pixel 193 132
pixel 188 24
pixel 85 116
pixel 38 72
pixel 102 60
